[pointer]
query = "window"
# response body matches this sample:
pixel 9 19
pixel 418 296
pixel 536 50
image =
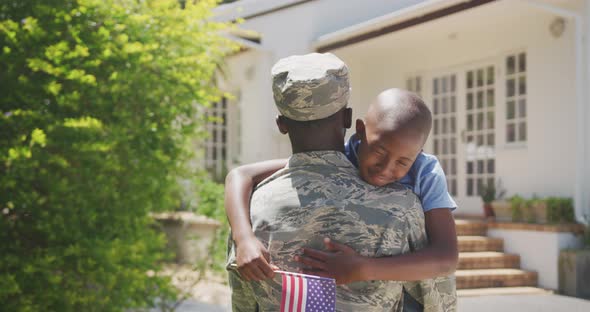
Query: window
pixel 414 84
pixel 444 124
pixel 216 147
pixel 516 102
pixel 480 128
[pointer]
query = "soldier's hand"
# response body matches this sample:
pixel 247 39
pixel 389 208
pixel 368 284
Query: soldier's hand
pixel 339 262
pixel 253 260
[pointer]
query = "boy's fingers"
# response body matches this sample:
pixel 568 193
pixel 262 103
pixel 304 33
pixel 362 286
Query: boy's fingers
pixel 265 268
pixel 311 262
pixel 321 273
pixel 257 274
pixel 315 253
pixel 331 245
pixel 274 267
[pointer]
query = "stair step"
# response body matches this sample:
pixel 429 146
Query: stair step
pixel 502 291
pixel 495 278
pixel 487 260
pixel 479 243
pixel 471 227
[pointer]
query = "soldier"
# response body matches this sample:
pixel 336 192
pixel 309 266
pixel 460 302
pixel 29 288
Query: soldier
pixel 320 194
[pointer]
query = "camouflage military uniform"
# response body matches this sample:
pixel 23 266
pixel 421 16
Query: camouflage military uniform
pixel 319 194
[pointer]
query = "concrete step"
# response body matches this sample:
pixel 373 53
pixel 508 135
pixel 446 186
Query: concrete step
pixel 479 243
pixel 501 291
pixel 471 227
pixel 487 260
pixel 495 278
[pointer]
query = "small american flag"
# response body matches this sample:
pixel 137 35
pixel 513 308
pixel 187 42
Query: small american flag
pixel 307 293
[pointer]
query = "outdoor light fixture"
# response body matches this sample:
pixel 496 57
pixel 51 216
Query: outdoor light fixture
pixel 557 27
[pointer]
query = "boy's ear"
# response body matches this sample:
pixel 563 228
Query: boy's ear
pixel 347 115
pixel 281 124
pixel 360 128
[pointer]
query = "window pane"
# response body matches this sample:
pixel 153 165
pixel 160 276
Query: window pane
pixel 490 75
pixel 490 181
pixel 445 146
pixel 480 77
pixel 453 166
pixel 470 79
pixel 443 163
pixel 453 104
pixel 453 125
pixel 453 83
pixel 436 126
pixel 479 185
pixel 510 66
pixel 480 140
pixel 435 143
pixel 454 187
pixel 522 108
pixel 479 99
pixel 491 166
pixel 418 84
pixel 521 62
pixel 469 167
pixel 435 82
pixel 480 166
pixel 469 187
pixel 490 98
pixel 522 131
pixel 445 107
pixel 510 135
pixel 410 84
pixel 444 84
pixel 491 140
pixel 469 138
pixel 490 121
pixel 435 102
pixel 522 85
pixel 510 110
pixel 469 122
pixel 453 146
pixel 479 121
pixel 510 87
pixel 444 126
pixel 469 101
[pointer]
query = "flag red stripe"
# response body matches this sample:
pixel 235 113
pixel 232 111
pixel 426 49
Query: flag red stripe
pixel 300 297
pixel 283 297
pixel 292 294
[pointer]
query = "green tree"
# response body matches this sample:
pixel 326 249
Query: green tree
pixel 98 99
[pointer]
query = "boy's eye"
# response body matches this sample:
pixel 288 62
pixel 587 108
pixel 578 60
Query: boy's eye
pixel 401 163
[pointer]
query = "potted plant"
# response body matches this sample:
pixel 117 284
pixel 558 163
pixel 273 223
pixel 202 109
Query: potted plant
pixel 517 205
pixel 574 268
pixel 490 193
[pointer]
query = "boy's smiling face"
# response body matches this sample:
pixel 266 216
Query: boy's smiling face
pixel 385 156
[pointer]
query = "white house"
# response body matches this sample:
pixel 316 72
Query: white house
pixel 507 82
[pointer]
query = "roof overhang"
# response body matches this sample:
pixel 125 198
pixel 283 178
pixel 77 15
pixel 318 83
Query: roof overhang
pixel 392 22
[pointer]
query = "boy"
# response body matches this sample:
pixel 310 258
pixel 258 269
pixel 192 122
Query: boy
pixel 386 148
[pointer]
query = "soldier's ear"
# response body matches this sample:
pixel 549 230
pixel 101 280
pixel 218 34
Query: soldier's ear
pixel 281 124
pixel 360 128
pixel 347 115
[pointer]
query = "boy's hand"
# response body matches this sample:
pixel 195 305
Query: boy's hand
pixel 339 262
pixel 252 260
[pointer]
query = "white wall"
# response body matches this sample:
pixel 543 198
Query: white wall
pixel 545 165
pixel 539 251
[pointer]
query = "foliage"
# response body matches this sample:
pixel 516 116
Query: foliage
pixel 517 205
pixel 211 204
pixel 560 210
pixel 99 98
pixel 491 192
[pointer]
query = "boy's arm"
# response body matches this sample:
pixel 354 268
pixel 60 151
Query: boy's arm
pixel 251 257
pixel 439 258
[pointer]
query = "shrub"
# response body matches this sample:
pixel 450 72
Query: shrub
pixel 98 102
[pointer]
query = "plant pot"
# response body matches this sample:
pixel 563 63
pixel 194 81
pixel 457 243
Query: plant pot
pixel 574 273
pixel 539 211
pixel 189 235
pixel 488 212
pixel 502 210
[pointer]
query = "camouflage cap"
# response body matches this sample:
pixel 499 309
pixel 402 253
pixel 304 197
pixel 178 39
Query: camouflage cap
pixel 310 87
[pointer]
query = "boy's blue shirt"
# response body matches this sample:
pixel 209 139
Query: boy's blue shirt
pixel 426 178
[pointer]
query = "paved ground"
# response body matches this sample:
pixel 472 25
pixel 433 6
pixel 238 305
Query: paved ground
pixel 511 303
pixel 523 303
